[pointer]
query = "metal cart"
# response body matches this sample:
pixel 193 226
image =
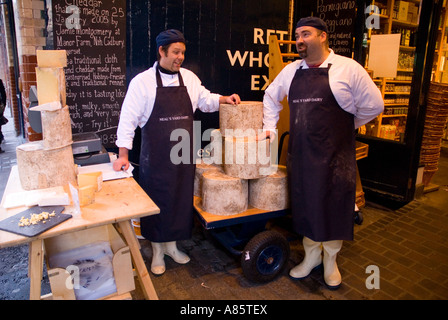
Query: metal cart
pixel 264 253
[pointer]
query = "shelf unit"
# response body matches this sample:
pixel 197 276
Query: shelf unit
pixel 391 123
pixel 440 65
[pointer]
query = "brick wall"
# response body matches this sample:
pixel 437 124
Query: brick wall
pixel 30 26
pixel 7 67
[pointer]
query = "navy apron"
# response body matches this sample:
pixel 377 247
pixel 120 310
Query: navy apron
pixel 321 159
pixel 169 185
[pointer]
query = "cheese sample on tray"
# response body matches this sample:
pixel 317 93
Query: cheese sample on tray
pixel 50 85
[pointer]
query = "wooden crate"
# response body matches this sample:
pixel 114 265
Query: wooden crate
pixel 121 262
pixel 362 150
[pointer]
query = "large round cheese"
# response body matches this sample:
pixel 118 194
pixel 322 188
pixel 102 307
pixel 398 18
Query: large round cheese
pixel 222 194
pixel 201 167
pixel 244 119
pixel 56 128
pixel 39 168
pixel 246 157
pixel 270 192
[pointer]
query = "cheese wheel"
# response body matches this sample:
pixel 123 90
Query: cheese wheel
pixel 246 158
pixel 201 167
pixel 244 119
pixel 270 192
pixel 216 144
pixel 222 194
pixel 39 168
pixel 56 128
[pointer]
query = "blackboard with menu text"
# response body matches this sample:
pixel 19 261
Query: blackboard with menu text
pixel 340 18
pixel 93 33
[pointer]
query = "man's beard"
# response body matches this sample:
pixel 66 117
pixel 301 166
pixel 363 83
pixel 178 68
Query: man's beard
pixel 303 54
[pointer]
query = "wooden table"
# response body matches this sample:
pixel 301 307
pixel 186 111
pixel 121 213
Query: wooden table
pixel 116 203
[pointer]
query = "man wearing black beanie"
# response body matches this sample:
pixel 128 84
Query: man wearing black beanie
pixel 162 100
pixel 329 97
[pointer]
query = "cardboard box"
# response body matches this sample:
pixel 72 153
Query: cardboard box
pixel 402 7
pixel 79 242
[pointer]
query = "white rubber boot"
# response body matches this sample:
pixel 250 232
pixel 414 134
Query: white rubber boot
pixel 332 276
pixel 158 263
pixel 312 260
pixel 177 255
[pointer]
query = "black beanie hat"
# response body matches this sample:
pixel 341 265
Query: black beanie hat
pixel 313 22
pixel 169 36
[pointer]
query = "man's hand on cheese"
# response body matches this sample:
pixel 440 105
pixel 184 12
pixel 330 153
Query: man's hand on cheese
pixel 267 134
pixel 233 99
pixel 122 163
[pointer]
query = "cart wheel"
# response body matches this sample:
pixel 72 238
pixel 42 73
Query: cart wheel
pixel 264 256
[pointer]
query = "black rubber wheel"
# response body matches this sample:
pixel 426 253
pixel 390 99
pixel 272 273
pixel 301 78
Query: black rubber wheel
pixel 265 256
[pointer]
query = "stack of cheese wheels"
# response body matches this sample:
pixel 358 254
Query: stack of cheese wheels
pixel 223 194
pixel 49 162
pixel 270 192
pixel 243 155
pixel 244 159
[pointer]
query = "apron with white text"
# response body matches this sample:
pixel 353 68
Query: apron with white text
pixel 321 159
pixel 168 183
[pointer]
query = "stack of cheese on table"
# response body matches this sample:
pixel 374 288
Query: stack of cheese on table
pixel 49 162
pixel 240 172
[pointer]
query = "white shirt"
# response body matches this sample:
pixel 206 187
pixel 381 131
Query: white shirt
pixel 140 96
pixel 350 84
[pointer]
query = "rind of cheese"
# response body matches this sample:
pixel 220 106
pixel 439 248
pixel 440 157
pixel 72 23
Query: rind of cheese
pixel 51 58
pixel 86 195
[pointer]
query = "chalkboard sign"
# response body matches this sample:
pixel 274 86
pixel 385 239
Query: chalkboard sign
pixel 93 33
pixel 340 18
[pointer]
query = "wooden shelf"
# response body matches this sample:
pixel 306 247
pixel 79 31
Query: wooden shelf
pixel 388 25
